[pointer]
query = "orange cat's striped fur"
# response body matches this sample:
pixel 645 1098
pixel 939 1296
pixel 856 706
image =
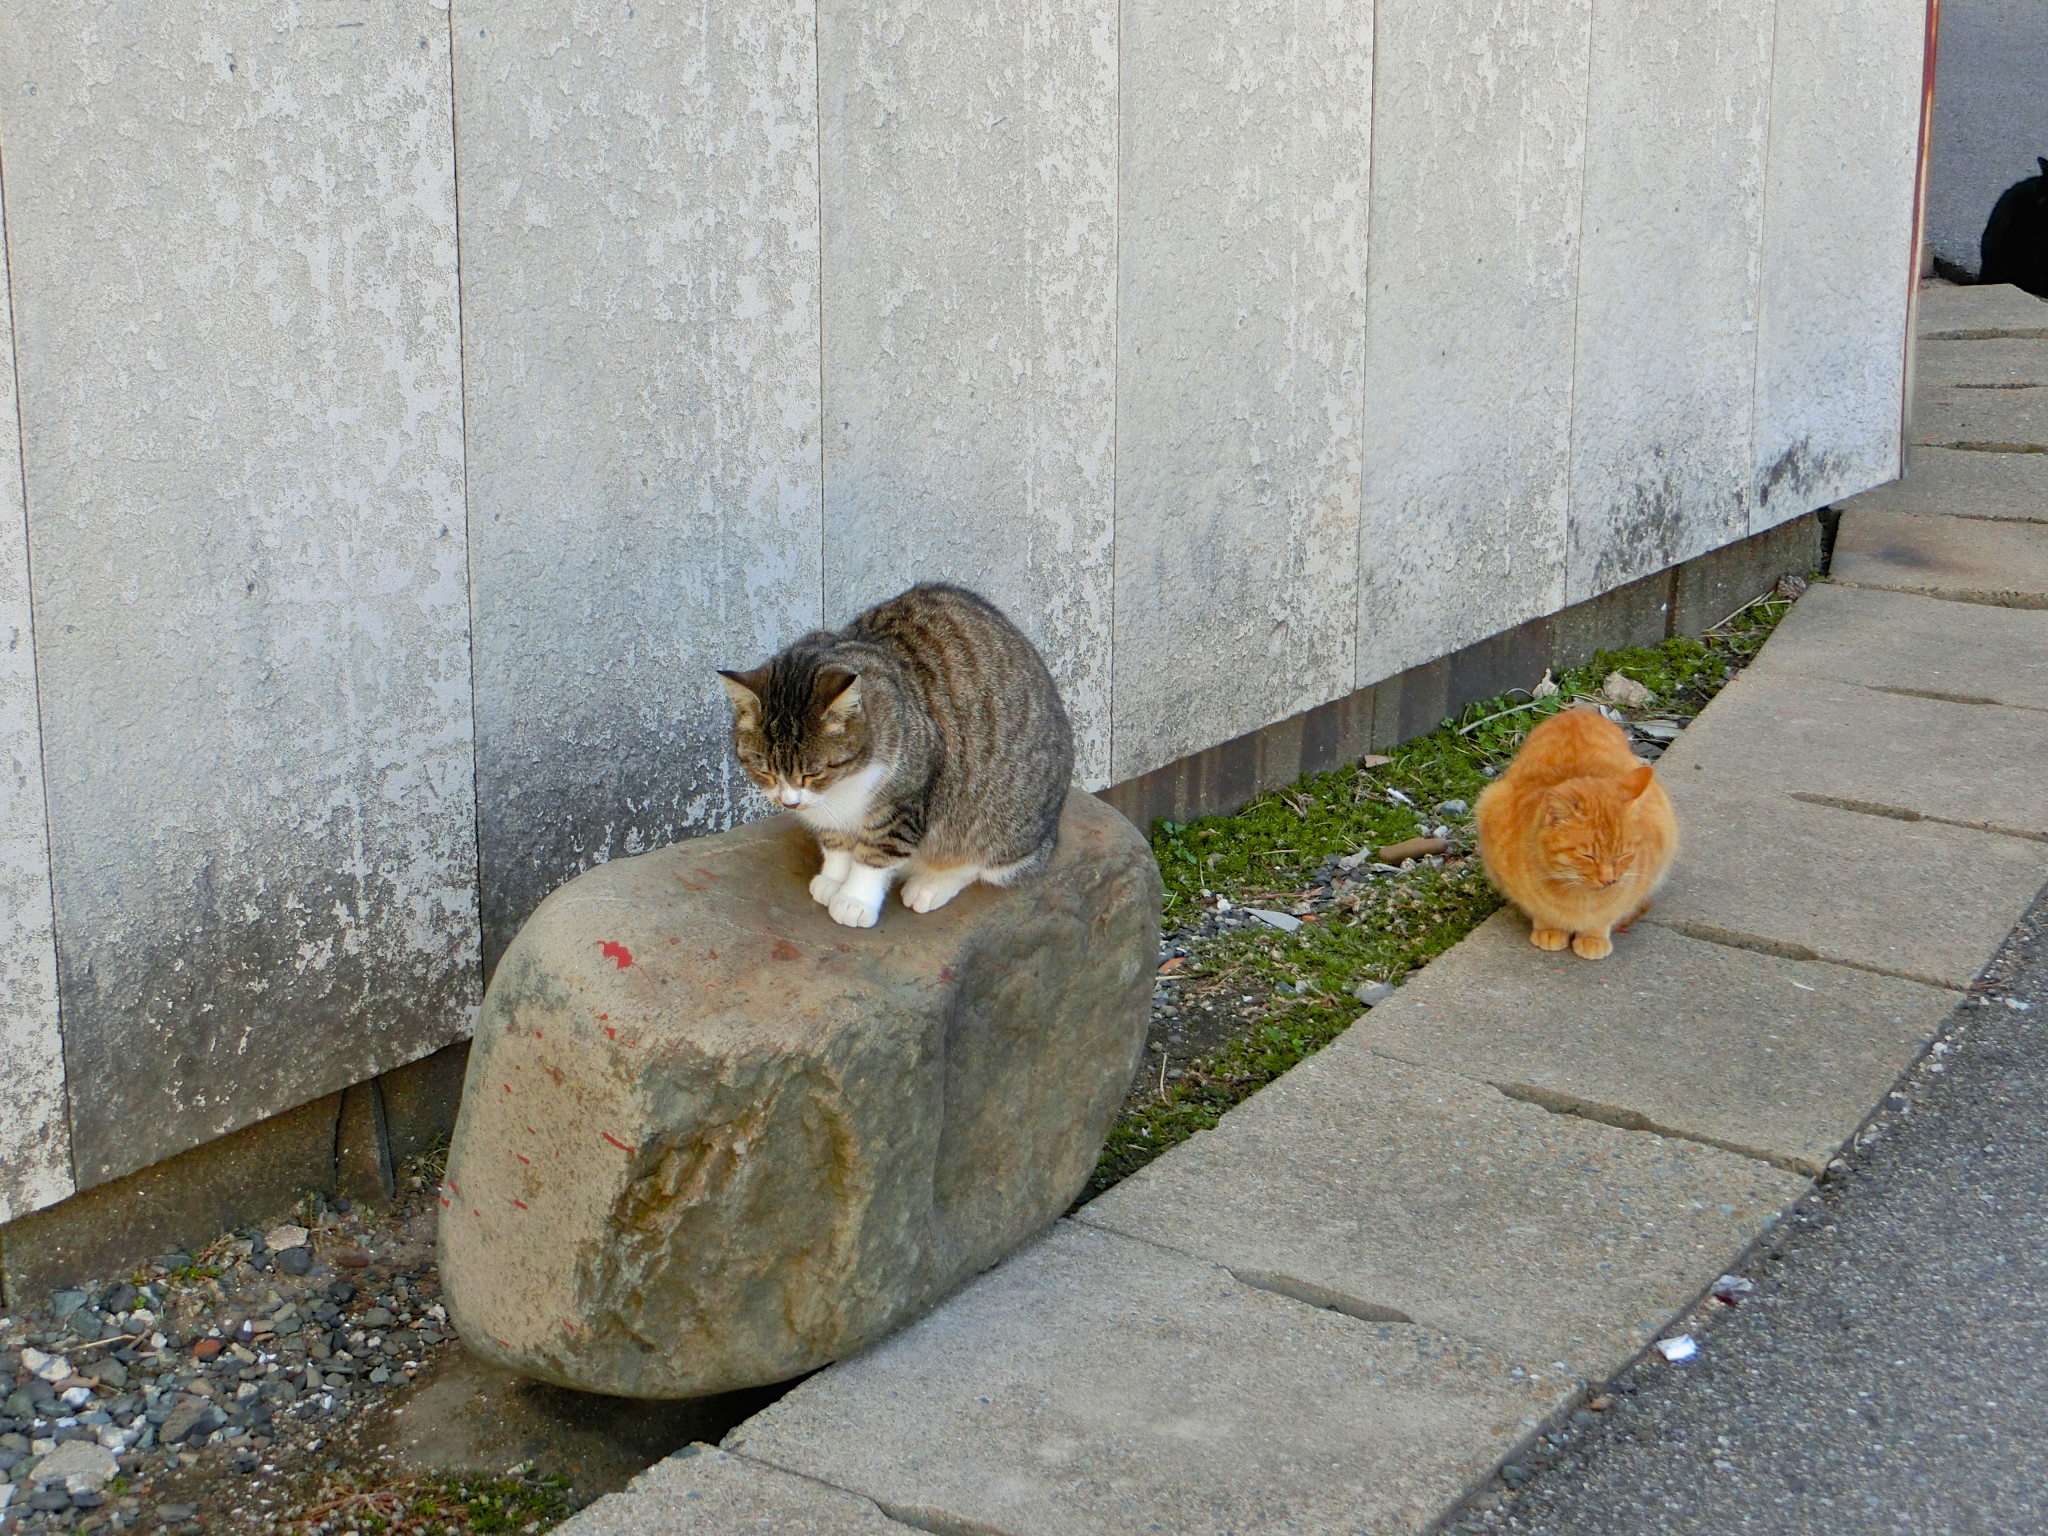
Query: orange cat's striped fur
pixel 1577 832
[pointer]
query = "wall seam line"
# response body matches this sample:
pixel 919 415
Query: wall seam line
pixel 818 186
pixel 36 676
pixel 1116 380
pixel 1753 491
pixel 1372 154
pixel 1571 417
pixel 476 768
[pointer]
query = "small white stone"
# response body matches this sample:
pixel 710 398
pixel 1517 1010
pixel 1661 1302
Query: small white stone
pixel 277 1239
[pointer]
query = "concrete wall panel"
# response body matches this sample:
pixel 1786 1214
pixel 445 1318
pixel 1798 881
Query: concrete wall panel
pixel 232 236
pixel 1245 145
pixel 1479 111
pixel 639 242
pixel 1666 353
pixel 969 179
pixel 35 1133
pixel 1831 328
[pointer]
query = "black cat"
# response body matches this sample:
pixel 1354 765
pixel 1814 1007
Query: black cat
pixel 2015 245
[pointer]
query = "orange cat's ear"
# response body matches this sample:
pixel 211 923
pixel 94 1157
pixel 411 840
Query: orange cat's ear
pixel 1636 780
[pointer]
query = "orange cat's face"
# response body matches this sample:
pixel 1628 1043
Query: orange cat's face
pixel 1587 836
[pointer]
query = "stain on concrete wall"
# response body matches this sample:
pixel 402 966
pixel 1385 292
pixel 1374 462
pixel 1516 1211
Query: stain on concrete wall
pixel 1666 351
pixel 1242 259
pixel 969 194
pixel 1479 120
pixel 35 1136
pixel 1828 386
pixel 232 236
pixel 640 284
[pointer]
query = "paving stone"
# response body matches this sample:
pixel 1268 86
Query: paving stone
pixel 1772 731
pixel 1952 480
pixel 1945 364
pixel 1916 899
pixel 706 1492
pixel 1097 1386
pixel 1362 1182
pixel 1779 1059
pixel 2006 419
pixel 1967 559
pixel 1899 640
pixel 1950 311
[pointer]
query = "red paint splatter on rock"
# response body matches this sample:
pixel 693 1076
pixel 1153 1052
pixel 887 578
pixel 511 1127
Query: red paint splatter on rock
pixel 611 949
pixel 608 1136
pixel 784 950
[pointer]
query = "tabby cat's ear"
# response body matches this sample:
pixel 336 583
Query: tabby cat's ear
pixel 836 695
pixel 1636 780
pixel 745 688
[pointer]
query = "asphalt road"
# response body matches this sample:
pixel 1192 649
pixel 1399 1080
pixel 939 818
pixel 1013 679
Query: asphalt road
pixel 1889 1372
pixel 1990 116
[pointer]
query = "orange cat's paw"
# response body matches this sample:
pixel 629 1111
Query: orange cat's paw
pixel 1591 946
pixel 1549 938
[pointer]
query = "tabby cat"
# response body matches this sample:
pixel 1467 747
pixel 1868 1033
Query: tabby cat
pixel 1577 832
pixel 926 738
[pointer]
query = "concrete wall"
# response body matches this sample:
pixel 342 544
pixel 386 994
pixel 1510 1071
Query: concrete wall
pixel 419 399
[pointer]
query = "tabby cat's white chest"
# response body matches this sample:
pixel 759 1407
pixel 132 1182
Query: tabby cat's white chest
pixel 843 807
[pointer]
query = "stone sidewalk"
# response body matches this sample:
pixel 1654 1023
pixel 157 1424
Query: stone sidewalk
pixel 1351 1301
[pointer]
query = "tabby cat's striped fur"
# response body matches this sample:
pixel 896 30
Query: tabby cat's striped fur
pixel 926 738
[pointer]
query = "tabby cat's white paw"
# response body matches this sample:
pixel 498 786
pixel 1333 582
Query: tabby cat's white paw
pixel 926 895
pixel 824 888
pixel 853 911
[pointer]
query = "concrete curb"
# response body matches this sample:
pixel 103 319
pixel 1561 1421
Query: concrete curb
pixel 1376 1280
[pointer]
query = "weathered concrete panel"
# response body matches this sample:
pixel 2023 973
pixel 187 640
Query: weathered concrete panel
pixel 968 162
pixel 1245 141
pixel 35 1136
pixel 640 280
pixel 1478 160
pixel 233 240
pixel 1665 378
pixel 1838 251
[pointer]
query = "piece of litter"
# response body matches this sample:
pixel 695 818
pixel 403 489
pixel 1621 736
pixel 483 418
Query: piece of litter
pixel 2016 1005
pixel 1678 1350
pixel 1374 760
pixel 1729 1287
pixel 1616 688
pixel 1802 986
pixel 1398 798
pixel 1545 688
pixel 1222 903
pixel 1285 922
pixel 1413 848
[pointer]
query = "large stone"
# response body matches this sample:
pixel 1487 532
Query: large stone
pixel 1390 1191
pixel 1099 1386
pixel 710 1139
pixel 1966 559
pixel 2009 486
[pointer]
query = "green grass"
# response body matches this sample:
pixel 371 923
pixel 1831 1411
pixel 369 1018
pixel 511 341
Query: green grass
pixel 1273 847
pixel 450 1505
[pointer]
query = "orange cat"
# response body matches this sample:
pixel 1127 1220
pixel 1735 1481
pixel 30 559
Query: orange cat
pixel 1577 832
